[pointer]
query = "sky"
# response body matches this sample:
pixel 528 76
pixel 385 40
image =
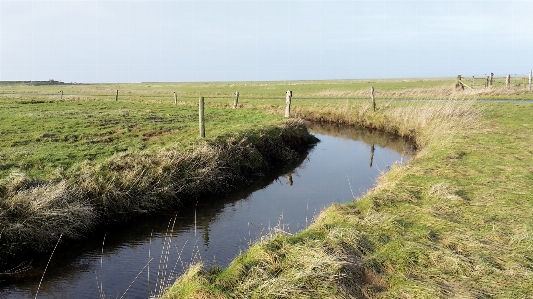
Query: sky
pixel 191 41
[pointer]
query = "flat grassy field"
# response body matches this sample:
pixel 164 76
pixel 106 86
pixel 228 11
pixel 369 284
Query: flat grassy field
pixel 436 88
pixel 39 135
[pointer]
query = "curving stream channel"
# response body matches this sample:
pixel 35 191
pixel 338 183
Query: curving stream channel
pixel 142 257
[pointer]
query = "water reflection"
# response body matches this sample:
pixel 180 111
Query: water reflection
pixel 289 178
pixel 372 150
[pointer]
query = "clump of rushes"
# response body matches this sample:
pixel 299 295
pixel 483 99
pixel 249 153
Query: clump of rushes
pixel 34 212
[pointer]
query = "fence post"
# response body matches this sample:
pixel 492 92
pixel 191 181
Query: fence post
pixel 459 84
pixel 473 81
pixel 530 79
pixel 490 78
pixel 508 81
pixel 236 102
pixel 372 96
pixel 288 98
pixel 487 82
pixel 201 117
pixel 175 98
pixel 61 94
pixel 116 96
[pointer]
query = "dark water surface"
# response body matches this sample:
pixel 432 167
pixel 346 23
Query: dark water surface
pixel 140 258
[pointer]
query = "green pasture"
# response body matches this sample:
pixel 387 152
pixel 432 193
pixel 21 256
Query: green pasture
pixel 38 135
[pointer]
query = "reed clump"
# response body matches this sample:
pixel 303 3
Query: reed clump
pixel 33 212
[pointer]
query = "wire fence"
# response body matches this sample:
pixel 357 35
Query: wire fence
pixel 520 80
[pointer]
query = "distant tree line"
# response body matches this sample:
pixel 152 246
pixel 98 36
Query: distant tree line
pixel 36 83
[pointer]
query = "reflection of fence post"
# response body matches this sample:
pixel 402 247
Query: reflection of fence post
pixel 289 179
pixel 508 81
pixel 490 78
pixel 288 98
pixel 530 80
pixel 201 117
pixel 236 102
pixel 116 96
pixel 175 99
pixel 372 149
pixel 372 96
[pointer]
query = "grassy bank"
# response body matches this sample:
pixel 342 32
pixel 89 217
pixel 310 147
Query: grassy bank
pixel 455 222
pixel 69 167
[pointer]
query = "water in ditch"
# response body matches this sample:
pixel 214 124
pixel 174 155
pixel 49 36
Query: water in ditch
pixel 140 258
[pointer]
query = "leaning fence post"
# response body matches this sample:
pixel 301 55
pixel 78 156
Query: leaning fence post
pixel 288 98
pixel 116 96
pixel 175 98
pixel 201 117
pixel 508 81
pixel 459 84
pixel 372 96
pixel 236 102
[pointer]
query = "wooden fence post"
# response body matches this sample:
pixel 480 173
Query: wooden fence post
pixel 236 102
pixel 372 96
pixel 201 117
pixel 458 83
pixel 61 94
pixel 530 71
pixel 490 78
pixel 288 98
pixel 487 82
pixel 116 96
pixel 175 98
pixel 508 81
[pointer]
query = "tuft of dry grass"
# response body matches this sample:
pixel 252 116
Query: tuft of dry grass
pixel 34 216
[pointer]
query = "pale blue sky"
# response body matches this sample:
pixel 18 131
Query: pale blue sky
pixel 176 41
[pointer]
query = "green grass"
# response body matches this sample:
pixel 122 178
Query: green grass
pixel 416 88
pixel 40 136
